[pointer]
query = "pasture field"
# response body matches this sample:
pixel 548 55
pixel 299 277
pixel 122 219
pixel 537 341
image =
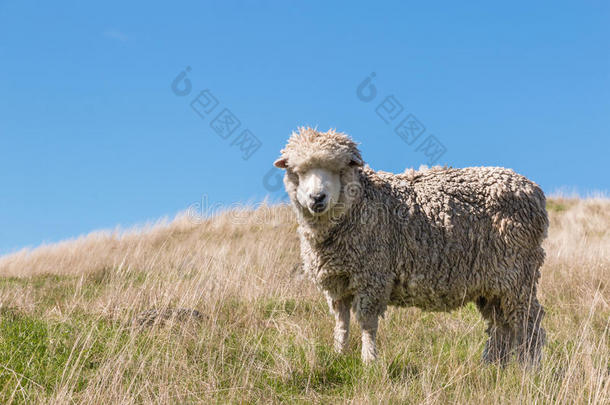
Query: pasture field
pixel 107 318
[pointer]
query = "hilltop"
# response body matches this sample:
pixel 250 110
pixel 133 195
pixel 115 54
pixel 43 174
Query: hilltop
pixel 71 329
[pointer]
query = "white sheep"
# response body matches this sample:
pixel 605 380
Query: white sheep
pixel 435 239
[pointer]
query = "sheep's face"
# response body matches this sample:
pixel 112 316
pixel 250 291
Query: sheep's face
pixel 320 167
pixel 321 190
pixel 318 189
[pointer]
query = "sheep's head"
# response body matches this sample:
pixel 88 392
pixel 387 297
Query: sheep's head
pixel 319 166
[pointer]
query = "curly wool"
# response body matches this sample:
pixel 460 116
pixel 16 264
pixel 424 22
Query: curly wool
pixel 434 238
pixel 310 148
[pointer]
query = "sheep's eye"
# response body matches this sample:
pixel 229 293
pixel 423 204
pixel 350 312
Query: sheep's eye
pixel 297 174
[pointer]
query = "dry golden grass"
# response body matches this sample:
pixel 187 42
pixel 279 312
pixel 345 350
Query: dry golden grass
pixel 67 330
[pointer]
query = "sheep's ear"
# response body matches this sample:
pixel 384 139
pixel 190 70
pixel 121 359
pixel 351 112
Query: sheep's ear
pixel 281 163
pixel 356 161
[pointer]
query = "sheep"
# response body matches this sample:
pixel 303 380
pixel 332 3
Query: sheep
pixel 435 239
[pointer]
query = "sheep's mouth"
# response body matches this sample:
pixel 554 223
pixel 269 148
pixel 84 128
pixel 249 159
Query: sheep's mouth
pixel 317 208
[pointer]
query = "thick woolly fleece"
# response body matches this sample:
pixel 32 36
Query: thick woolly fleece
pixel 435 239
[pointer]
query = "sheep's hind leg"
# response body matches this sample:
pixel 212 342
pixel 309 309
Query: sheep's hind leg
pixel 498 346
pixel 341 309
pixel 530 336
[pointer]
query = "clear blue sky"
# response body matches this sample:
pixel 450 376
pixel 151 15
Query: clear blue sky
pixel 92 135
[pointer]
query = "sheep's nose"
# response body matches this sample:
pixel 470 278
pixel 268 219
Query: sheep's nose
pixel 318 198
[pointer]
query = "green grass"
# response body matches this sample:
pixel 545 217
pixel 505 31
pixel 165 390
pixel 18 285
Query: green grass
pixel 37 354
pixel 270 349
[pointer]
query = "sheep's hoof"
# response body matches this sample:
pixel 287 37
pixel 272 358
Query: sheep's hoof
pixel 340 348
pixel 369 360
pixel 368 357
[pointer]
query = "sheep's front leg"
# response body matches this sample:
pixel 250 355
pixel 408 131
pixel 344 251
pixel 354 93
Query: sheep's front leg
pixel 368 306
pixel 341 309
pixel 369 331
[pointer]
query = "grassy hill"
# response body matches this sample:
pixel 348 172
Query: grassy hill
pixel 108 318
